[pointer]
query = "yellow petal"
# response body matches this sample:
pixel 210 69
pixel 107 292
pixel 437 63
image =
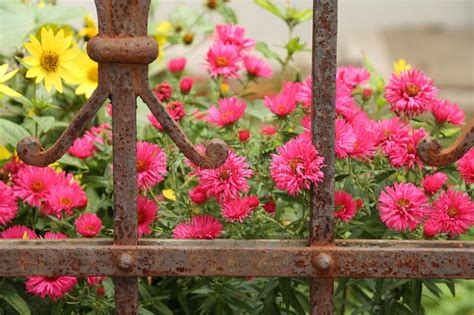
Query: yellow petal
pixel 56 79
pixel 8 76
pixel 8 91
pixel 31 61
pixel 4 153
pixel 169 194
pixel 25 236
pixel 400 65
pixel 35 45
pixel 48 82
pixel 3 69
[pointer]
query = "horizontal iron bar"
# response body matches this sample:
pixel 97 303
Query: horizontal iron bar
pixel 163 257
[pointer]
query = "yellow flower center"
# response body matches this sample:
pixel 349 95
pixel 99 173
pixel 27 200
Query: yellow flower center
pixel 294 163
pixel 93 74
pixel 281 108
pixel 221 61
pixel 49 61
pixel 453 212
pixel 37 187
pixel 65 201
pixel 403 203
pixel 141 166
pixel 412 90
pixel 225 174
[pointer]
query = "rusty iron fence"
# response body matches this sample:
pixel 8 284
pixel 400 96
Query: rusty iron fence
pixel 123 51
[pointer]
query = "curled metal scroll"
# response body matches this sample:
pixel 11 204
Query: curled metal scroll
pixel 432 153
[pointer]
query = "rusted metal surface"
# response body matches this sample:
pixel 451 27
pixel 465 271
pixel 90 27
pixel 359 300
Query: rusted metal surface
pixel 140 49
pixel 357 258
pixel 323 116
pixel 432 153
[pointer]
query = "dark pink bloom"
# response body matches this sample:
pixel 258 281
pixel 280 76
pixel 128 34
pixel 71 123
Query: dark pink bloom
pixel 431 228
pixel 88 224
pixel 410 93
pixel 365 140
pixel 345 206
pixel 8 204
pixel 270 206
pixel 186 84
pixel 19 232
pixel 244 135
pixel 174 109
pixel 432 183
pixel 234 35
pixel 53 287
pixel 94 281
pixel 147 210
pixel 163 91
pixel 229 111
pixel 257 67
pixel 283 103
pixel 352 76
pixel 393 130
pixel 176 65
pixel 33 183
pixel 268 130
pixel 228 180
pixel 55 236
pixel 345 138
pixel 151 164
pixel 402 206
pixel 447 112
pixel 236 210
pixel 296 166
pixel 200 227
pixel 223 60
pixel 454 211
pixel 466 167
pixel 367 94
pixel 198 195
pixel 403 153
pixel 83 147
pixel 14 165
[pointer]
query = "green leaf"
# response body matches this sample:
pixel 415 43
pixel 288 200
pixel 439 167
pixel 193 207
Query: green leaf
pixel 11 133
pixel 72 161
pixel 266 51
pixel 228 14
pixel 294 45
pixel 270 7
pixel 44 122
pixel 304 15
pixel 11 297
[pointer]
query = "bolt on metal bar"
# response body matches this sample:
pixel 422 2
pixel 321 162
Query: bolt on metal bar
pixel 323 116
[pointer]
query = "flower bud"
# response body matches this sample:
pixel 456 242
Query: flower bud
pixel 176 65
pixel 367 94
pixel 244 135
pixel 270 206
pixel 188 38
pixel 185 85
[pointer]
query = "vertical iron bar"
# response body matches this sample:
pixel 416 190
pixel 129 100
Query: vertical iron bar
pixel 323 133
pixel 125 189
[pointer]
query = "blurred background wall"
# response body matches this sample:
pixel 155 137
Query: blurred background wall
pixel 436 36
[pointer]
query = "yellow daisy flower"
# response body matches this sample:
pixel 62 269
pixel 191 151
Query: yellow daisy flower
pixel 90 28
pixel 163 31
pixel 51 59
pixel 4 153
pixel 86 74
pixel 4 77
pixel 400 65
pixel 169 194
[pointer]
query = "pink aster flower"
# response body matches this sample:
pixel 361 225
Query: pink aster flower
pixel 366 141
pixel 223 60
pixel 147 210
pixel 83 147
pixel 163 91
pixel 55 236
pixel 200 227
pixel 33 183
pixel 410 93
pixel 229 111
pixel 228 180
pixel 53 287
pixel 447 112
pixel 198 195
pixel 402 206
pixel 236 210
pixel 403 153
pixel 345 206
pixel 352 76
pixel 431 228
pixel 283 103
pixel 175 110
pixel 8 204
pixel 268 130
pixel 88 224
pixel 257 67
pixel 466 167
pixel 151 164
pixel 19 232
pixel 176 65
pixel 64 197
pixel 234 35
pixel 14 165
pixel 454 211
pixel 432 183
pixel 345 138
pixel 391 130
pixel 296 166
